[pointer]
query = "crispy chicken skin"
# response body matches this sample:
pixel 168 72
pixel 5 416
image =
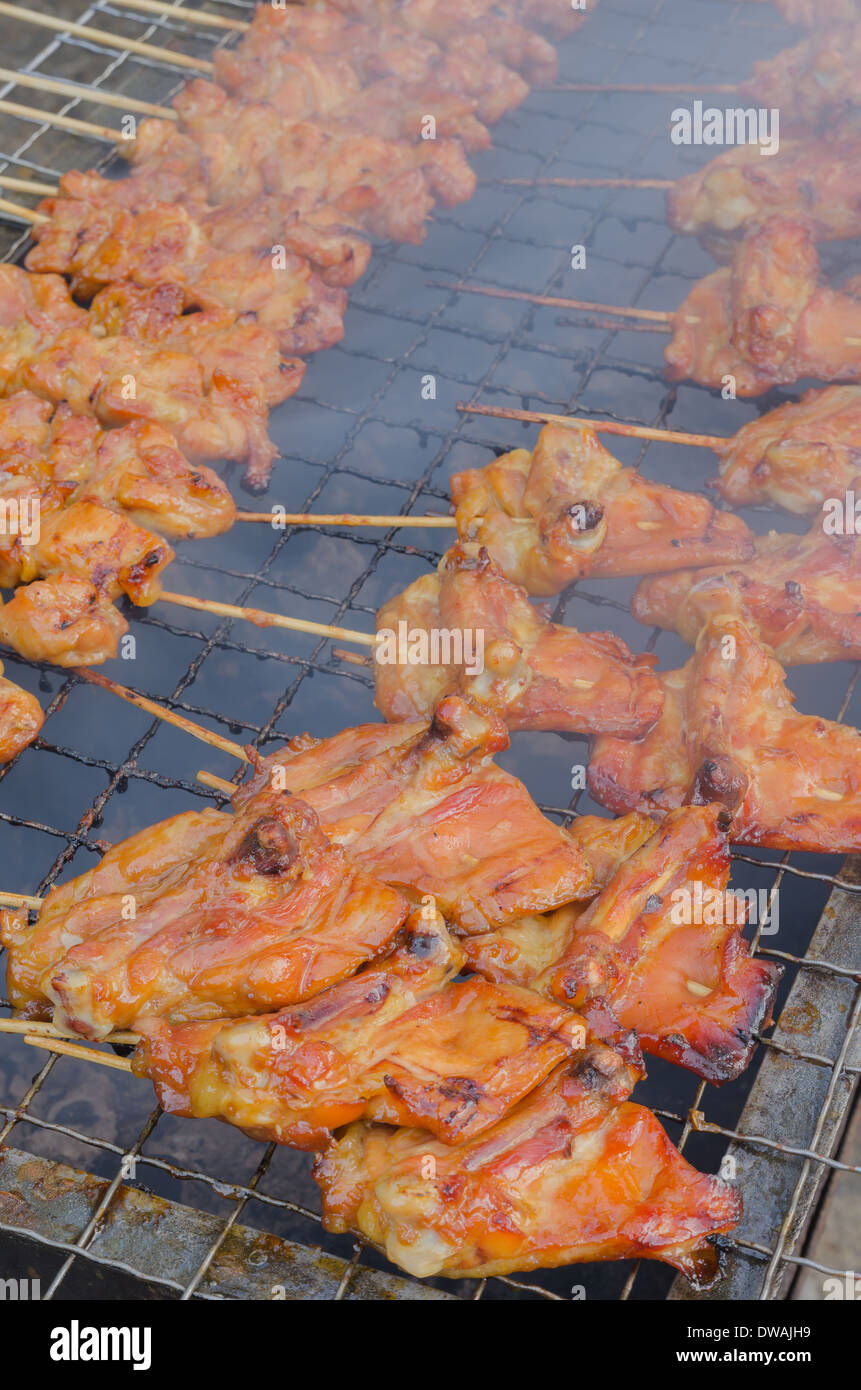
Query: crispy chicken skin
pixel 729 735
pixel 52 347
pixel 241 150
pixel 767 319
pixel 98 244
pixel 679 975
pixel 802 593
pixel 423 806
pixel 398 1042
pixel 818 181
pixel 21 718
pixel 817 82
pixel 797 455
pixel 575 1173
pixel 268 913
pixel 63 619
pixel 570 509
pixel 536 674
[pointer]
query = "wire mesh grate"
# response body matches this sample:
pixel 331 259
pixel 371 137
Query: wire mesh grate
pixel 359 436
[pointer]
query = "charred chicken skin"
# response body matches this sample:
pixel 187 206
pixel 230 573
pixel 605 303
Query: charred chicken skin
pixel 536 674
pixel 232 914
pixel 802 594
pixel 796 456
pixel 576 1172
pixel 21 718
pixel 817 181
pixel 423 806
pixel 62 619
pixel 767 319
pixel 400 1042
pixel 729 735
pixel 569 509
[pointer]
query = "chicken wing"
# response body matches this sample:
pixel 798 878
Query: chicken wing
pixel 570 509
pixel 263 913
pixel 536 674
pixel 423 806
pixel 767 319
pixel 802 593
pixel 729 734
pixel 575 1173
pixel 796 456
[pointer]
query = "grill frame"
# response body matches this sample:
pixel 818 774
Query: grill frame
pixel 832 980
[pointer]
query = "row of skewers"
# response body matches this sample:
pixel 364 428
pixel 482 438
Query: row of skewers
pixel 292 967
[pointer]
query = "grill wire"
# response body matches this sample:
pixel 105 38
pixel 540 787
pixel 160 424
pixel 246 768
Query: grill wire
pixel 359 436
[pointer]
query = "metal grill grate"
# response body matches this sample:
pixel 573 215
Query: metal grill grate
pixel 360 437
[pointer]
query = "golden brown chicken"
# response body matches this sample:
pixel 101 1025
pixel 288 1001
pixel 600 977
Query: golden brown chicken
pixel 98 244
pixel 796 456
pixel 729 735
pixel 62 619
pixel 21 718
pixel 400 1042
pixel 802 594
pixel 569 509
pixel 575 1173
pixel 424 806
pixel 814 84
pixel 95 543
pixel 661 945
pixel 536 674
pixel 202 916
pixel 816 181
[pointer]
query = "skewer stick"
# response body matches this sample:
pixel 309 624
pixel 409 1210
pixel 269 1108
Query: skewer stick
pixel 543 417
pixel 345 519
pixel 657 316
pixel 261 618
pixel 52 118
pixel 108 40
pixel 27 186
pixel 693 88
pixel 201 17
pixel 584 183
pixel 83 1054
pixel 19 900
pixel 80 93
pixel 169 716
pixel 31 1028
pixel 20 211
pixel 218 784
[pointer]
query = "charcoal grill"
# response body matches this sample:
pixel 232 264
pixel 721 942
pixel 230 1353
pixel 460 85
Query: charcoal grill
pixel 99 1195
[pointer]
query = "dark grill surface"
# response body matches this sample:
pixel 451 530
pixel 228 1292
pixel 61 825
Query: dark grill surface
pixel 361 437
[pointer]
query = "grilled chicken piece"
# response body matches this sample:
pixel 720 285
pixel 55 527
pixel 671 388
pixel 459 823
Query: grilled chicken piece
pixel 304 225
pixel 62 619
pixel 818 181
pixel 98 244
pixel 569 509
pixel 796 456
pixel 267 914
pixel 661 946
pixel 100 545
pixel 802 593
pixel 467 22
pixel 815 84
pixel 54 348
pixel 240 150
pixel 424 806
pixel 767 319
pixel 536 674
pixel 575 1173
pixel 399 1041
pixel 729 734
pixel 21 718
pixel 814 13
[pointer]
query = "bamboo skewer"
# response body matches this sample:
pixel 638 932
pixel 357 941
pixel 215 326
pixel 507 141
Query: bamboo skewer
pixel 31 1027
pixel 261 618
pixel 659 88
pixel 52 118
pixel 169 716
pixel 218 784
pixel 544 417
pixel 344 519
pixel 74 92
pixel 662 317
pixel 25 214
pixel 27 186
pixel 105 38
pixel 585 183
pixel 83 1054
pixel 20 900
pixel 201 17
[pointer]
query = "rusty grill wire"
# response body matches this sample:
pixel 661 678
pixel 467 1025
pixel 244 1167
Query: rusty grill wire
pixel 516 238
